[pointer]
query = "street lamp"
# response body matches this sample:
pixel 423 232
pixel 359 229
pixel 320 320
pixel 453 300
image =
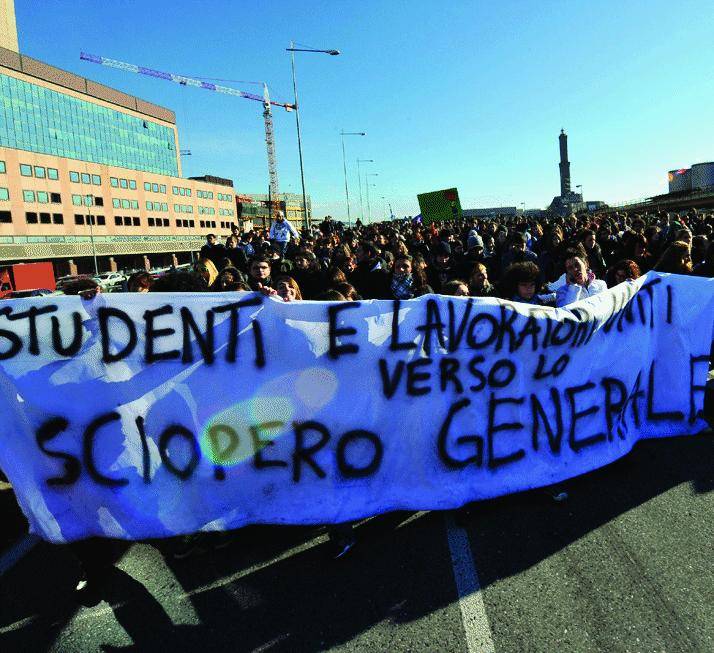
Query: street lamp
pixel 344 168
pixel 367 185
pixel 292 50
pixel 359 181
pixel 89 200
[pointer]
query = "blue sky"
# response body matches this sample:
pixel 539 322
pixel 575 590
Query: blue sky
pixel 466 94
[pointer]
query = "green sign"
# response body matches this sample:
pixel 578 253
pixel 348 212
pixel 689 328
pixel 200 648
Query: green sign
pixel 440 205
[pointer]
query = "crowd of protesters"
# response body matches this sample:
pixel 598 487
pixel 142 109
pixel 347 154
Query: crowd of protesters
pixel 549 261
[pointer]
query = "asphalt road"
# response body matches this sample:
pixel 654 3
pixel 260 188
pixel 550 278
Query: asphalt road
pixel 624 565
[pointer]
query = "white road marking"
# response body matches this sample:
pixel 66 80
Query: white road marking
pixel 16 552
pixel 479 638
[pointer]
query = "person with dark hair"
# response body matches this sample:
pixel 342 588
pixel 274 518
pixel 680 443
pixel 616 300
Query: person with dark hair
pixel 236 255
pixel 706 269
pixel 85 287
pixel 517 251
pixel 442 268
pixel 307 274
pixel 348 291
pixel 228 279
pixel 521 283
pixel 593 252
pixel 675 259
pixel 140 282
pixel 331 295
pixel 370 277
pixel 281 231
pixel 259 271
pixel 407 281
pixel 455 288
pixel 625 270
pixel 579 282
pixel 212 250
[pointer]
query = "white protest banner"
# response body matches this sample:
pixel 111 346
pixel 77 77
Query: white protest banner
pixel 137 416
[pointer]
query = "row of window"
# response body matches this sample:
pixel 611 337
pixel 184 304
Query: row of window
pixel 226 212
pixel 207 224
pixel 205 194
pixel 40 196
pixel 183 208
pixel 185 223
pixel 125 204
pixel 180 190
pixel 89 219
pixel 43 218
pixel 84 178
pixel 26 170
pixel 156 206
pixel 154 188
pixel 87 200
pixel 226 225
pixel 122 183
pixel 225 197
pixel 206 210
pixel 158 222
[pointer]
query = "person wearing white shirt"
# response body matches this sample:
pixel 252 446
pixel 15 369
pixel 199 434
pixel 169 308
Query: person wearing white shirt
pixel 280 233
pixel 579 283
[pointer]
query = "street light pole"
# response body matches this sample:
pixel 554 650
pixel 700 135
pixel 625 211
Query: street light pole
pixel 89 200
pixel 292 50
pixel 359 181
pixel 344 168
pixel 367 184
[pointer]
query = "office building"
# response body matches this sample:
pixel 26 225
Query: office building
pixel 86 169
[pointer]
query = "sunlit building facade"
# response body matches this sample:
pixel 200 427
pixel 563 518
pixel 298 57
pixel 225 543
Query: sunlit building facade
pixel 86 169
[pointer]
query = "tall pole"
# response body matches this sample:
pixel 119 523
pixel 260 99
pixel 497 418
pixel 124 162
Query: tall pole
pixel 297 122
pixel 344 169
pixel 369 210
pixel 89 200
pixel 359 181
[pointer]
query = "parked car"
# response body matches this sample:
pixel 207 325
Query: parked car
pixel 108 280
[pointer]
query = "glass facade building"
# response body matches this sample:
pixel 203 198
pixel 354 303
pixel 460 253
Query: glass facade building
pixel 39 119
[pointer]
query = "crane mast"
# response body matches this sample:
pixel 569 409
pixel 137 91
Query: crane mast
pixel 227 90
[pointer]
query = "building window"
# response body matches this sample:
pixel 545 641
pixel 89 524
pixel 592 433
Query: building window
pixel 42 197
pixel 101 221
pixel 5 216
pixel 4 194
pixel 113 181
pixel 90 220
pixel 155 188
pixel 57 218
pixel 96 180
pixel 123 183
pixel 134 204
pixel 55 198
pixel 116 203
pixel 162 188
pixel 150 221
pixel 78 218
pixel 164 206
pixel 174 190
pixel 98 201
pixel 45 218
pixel 86 179
pixel 40 172
pixel 31 217
pixel 3 169
pixel 28 195
pixel 132 184
pixel 125 204
pixel 166 222
pixel 117 220
pixel 136 221
pixel 147 185
pixel 52 174
pixel 148 205
pixel 127 221
pixel 188 192
pixel 25 170
pixel 74 177
pixel 77 200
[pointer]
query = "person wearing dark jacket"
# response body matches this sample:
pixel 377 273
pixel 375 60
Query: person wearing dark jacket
pixel 442 269
pixel 369 277
pixel 213 250
pixel 236 255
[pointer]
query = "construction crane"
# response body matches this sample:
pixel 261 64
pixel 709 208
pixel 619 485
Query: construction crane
pixel 188 81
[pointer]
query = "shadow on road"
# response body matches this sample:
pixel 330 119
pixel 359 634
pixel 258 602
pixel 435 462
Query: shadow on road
pixel 399 573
